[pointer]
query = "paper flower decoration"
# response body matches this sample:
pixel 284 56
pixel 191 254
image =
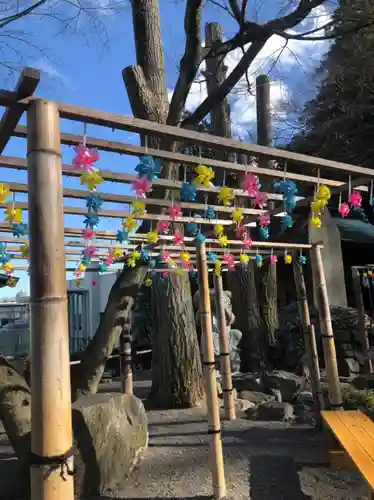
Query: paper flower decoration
pixel 152 237
pixel 244 258
pixel 258 260
pixel 264 219
pixel 287 222
pixel 225 196
pixel 188 192
pixel 317 206
pixel 103 267
pixel 355 199
pixel 12 282
pixel 218 229
pixel 93 282
pixel 13 215
pixel 250 185
pixel 148 167
pixel 288 258
pixel 223 240
pixel 247 241
pixel 162 227
pixel 228 259
pixel 94 202
pixel 129 224
pixel 4 192
pixel 210 213
pixel 264 232
pixel 116 253
pixel 260 200
pixel 141 186
pixel 164 256
pixel 344 209
pixel 200 238
pixel 144 254
pixel 204 176
pixel 237 215
pixel 212 257
pixel 8 268
pixel 289 202
pixel 5 257
pixel 316 221
pixel 88 234
pixel 81 268
pixel 19 230
pixel 148 282
pixel 286 187
pixel 133 258
pixel 302 260
pixel 85 157
pixel 217 267
pixel 122 236
pixel 239 231
pixel 323 193
pixel 91 180
pixel 90 251
pixel 174 211
pixel 191 229
pixel 138 208
pixel 273 259
pixel 185 256
pixel 91 220
pixel 178 238
pixel 165 275
pixel 78 283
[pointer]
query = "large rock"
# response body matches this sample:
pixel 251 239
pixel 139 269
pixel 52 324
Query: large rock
pixel 110 437
pixel 348 367
pixel 246 382
pixel 255 397
pixel 287 383
pixel 364 382
pixel 272 411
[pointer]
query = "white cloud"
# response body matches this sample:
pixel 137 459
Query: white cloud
pixel 290 66
pixel 46 67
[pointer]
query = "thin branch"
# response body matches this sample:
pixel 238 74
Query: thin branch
pixel 19 15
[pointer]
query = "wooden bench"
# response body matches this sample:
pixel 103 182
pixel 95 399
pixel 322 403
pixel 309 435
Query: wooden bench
pixel 351 443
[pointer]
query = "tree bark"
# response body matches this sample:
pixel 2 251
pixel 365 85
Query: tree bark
pixel 176 365
pixel 269 300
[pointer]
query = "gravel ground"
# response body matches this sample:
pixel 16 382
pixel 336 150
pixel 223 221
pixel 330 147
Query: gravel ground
pixel 263 461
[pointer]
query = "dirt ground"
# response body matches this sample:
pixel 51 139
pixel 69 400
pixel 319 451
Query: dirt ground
pixel 263 461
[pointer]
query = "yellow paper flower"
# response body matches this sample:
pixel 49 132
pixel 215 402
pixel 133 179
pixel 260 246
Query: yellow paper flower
pixel 323 193
pixel 8 267
pixel 316 221
pixel 138 208
pixel 117 253
pixel 13 215
pixel 12 282
pixel 237 215
pixel 244 258
pixel 133 258
pixel 204 176
pixel 259 263
pixel 288 259
pixel 25 250
pixel 152 237
pixel 172 262
pixel 78 283
pixel 218 267
pixel 185 256
pixel 91 180
pixel 218 229
pixel 317 206
pixel 148 282
pixel 81 268
pixel 223 240
pixel 225 196
pixel 129 224
pixel 4 192
pixel 365 275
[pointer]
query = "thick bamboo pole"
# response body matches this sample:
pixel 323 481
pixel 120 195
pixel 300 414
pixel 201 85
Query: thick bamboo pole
pixel 361 318
pixel 126 360
pixel 51 427
pixel 224 352
pixel 309 341
pixel 327 333
pixel 214 424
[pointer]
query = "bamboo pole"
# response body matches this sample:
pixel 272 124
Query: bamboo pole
pixel 51 426
pixel 214 424
pixel 361 318
pixel 224 352
pixel 327 333
pixel 126 360
pixel 309 341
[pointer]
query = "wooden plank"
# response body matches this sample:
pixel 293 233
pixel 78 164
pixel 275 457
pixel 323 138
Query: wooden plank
pixel 352 441
pixel 26 86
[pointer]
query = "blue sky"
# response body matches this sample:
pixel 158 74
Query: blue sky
pixel 76 69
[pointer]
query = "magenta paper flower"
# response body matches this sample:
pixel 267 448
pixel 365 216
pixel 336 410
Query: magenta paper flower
pixel 273 259
pixel 174 211
pixel 355 199
pixel 141 186
pixel 165 274
pixel 264 219
pixel 89 251
pixel 185 264
pixel 178 238
pixel 247 241
pixel 164 256
pixel 239 231
pixel 228 259
pixel 162 227
pixel 93 282
pixel 88 234
pixel 344 209
pixel 250 185
pixel 260 200
pixel 85 157
pixel 109 260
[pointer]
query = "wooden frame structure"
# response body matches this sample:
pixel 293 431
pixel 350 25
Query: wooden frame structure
pixel 48 289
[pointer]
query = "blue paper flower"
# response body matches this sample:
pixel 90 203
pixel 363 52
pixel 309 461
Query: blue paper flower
pixel 285 186
pixel 5 257
pixel 287 222
pixel 2 246
pixel 212 257
pixel 264 233
pixel 148 167
pixel 191 229
pixel 200 238
pixel 103 267
pixel 188 192
pixel 144 254
pixel 289 201
pixel 193 274
pixel 94 202
pixel 302 260
pixel 210 213
pixel 19 230
pixel 91 220
pixel 152 263
pixel 122 236
pixel 86 260
pixel 258 259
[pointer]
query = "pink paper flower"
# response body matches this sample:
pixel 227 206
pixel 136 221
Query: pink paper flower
pixel 84 158
pixel 185 264
pixel 228 259
pixel 178 238
pixel 247 241
pixel 165 274
pixel 164 256
pixel 264 219
pixel 250 184
pixel 93 282
pixel 174 211
pixel 355 199
pixel 109 260
pixel 259 200
pixel 239 231
pixel 88 234
pixel 273 259
pixel 162 227
pixel 89 251
pixel 141 186
pixel 344 209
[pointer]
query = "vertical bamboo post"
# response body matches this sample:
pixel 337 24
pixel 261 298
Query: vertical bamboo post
pixel 309 341
pixel 327 333
pixel 224 352
pixel 361 318
pixel 126 359
pixel 214 424
pixel 51 426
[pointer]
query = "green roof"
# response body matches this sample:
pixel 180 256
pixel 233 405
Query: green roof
pixel 355 230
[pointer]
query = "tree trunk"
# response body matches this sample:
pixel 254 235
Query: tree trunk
pixel 176 365
pixel 248 318
pixel 269 302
